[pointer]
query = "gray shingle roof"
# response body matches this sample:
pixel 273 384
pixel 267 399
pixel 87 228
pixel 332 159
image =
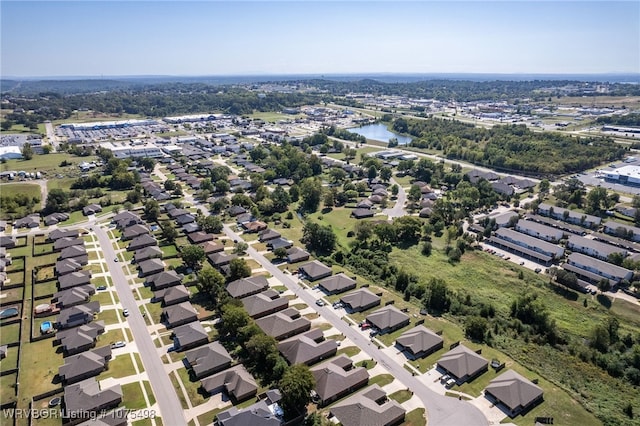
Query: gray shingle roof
pixel 333 378
pixel 387 317
pixel 338 283
pixel 247 286
pixel 360 298
pixel 87 396
pixel 514 390
pixel 316 270
pixel 419 339
pixel 462 361
pixel 188 334
pixel 304 348
pixel 261 304
pixel 236 381
pixel 207 359
pixel 282 324
pixel 363 409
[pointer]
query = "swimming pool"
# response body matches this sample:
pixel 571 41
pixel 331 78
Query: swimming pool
pixel 9 312
pixel 46 327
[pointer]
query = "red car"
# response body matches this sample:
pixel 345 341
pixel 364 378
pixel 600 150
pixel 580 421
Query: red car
pixel 365 325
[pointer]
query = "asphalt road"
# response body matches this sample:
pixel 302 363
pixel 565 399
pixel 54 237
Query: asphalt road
pixel 398 208
pixel 441 410
pixel 168 402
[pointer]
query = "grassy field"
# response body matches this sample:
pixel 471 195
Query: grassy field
pixel 274 117
pixel 32 190
pixel 196 395
pixel 43 364
pixel 415 418
pixel 120 366
pixel 339 220
pixel 47 163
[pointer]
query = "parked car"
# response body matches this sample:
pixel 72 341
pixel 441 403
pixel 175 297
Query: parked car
pixel 449 384
pixel 320 302
pixel 125 312
pixel 365 325
pixel 537 270
pixel 118 344
pixel 101 287
pixel 445 378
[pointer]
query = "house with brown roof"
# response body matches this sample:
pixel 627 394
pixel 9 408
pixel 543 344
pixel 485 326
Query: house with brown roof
pixel 79 339
pixel 200 237
pixel 296 254
pixel 151 252
pixel 308 348
pixel 130 232
pixel 265 412
pixel 315 270
pixel 189 336
pixel 84 400
pixel 67 266
pixel 369 407
pixel 172 295
pixel 211 247
pixel 208 359
pixel 388 319
pixel 62 243
pixel 338 283
pixel 360 300
pixel 362 213
pixel 245 287
pixel 284 324
pixel 150 267
pixel 268 234
pixel 142 241
pixel 419 342
pixel 236 382
pixel 253 227
pixel 164 279
pixel 84 365
pixel 336 378
pixel 221 259
pixel 463 364
pixel 179 314
pixel 265 303
pixel 515 392
pixel 78 253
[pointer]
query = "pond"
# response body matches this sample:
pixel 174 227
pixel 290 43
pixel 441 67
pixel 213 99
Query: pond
pixel 379 132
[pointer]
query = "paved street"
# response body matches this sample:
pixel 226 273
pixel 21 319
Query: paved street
pixel 168 402
pixel 441 410
pixel 398 208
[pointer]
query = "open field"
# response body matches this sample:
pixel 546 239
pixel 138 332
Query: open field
pixel 32 190
pixel 274 117
pixel 47 163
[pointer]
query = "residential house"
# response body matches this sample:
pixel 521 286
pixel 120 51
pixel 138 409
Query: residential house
pixel 66 266
pixel 208 359
pixel 133 231
pixel 419 342
pixel 268 234
pixel 200 237
pixel 142 241
pixel 189 336
pixel 336 378
pixel 360 300
pixel 283 324
pixel 77 253
pixel 179 314
pixel 296 254
pixel 185 219
pixel 265 303
pixel 254 227
pixel 74 279
pixel 463 364
pixel 150 267
pixel 91 209
pixel 388 319
pixel 277 243
pixel 315 270
pixel 84 365
pixel 56 234
pixel 55 218
pixel 7 241
pixel 77 315
pixel 79 339
pixel 31 221
pixel 369 407
pixel 247 286
pixel 362 213
pixel 515 392
pixel 84 400
pixel 265 412
pixel 74 296
pixel 221 258
pixel 164 279
pixel 63 243
pixel 627 232
pixel 172 295
pixel 236 382
pixel 211 247
pixel 126 218
pixel 338 283
pixel 308 348
pixel 151 252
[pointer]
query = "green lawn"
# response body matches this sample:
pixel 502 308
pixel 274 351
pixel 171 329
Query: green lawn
pixel 349 351
pixel 381 380
pixel 169 251
pixel 43 363
pixel 415 418
pixel 7 388
pixel 109 316
pixel 401 396
pixel 339 220
pixel 196 395
pixel 9 333
pixel 32 190
pixel 11 360
pixel 176 386
pixel 109 337
pixel 147 385
pixel 49 164
pixel 60 183
pixel 132 396
pixel 13 294
pixel 104 297
pixel 120 366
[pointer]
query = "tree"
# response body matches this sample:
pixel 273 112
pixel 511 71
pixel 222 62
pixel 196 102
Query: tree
pixel 192 256
pixel 318 238
pixel 222 186
pixel 597 199
pixel 385 173
pixel 211 282
pixel 57 201
pixel 437 297
pixel 281 200
pixel 544 186
pixel 363 230
pixel 240 247
pixel 151 210
pixel 147 163
pixel 372 172
pixel 329 199
pixel 337 175
pixel 604 285
pixel 239 269
pixel 169 233
pixel 395 189
pixel 210 224
pixel 233 318
pixel 169 185
pixel 311 193
pixel 476 328
pixel 280 253
pixel 27 151
pixel 414 193
pixel 296 385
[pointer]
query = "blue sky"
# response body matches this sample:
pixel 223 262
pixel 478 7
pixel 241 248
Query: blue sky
pixel 94 38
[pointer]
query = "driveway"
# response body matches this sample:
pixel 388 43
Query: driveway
pixel 398 208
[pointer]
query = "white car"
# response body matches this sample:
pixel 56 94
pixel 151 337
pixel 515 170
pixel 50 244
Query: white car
pixel 118 344
pixel 125 312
